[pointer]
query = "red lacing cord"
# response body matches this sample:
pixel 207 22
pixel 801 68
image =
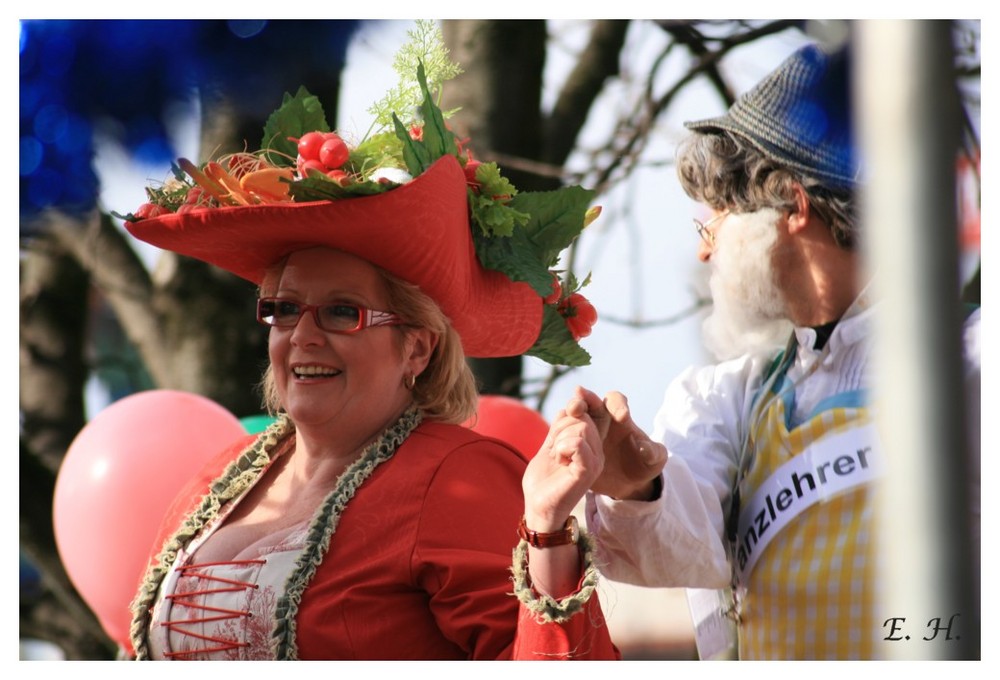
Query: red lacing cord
pixel 224 645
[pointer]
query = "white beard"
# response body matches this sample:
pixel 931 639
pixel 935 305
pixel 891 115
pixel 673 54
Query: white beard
pixel 748 311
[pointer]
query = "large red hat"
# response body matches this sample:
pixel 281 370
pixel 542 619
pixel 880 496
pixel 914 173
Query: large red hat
pixel 453 226
pixel 418 232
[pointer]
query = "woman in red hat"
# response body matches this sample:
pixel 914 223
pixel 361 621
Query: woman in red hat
pixel 365 523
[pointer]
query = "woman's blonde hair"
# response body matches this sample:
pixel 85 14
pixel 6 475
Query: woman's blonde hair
pixel 446 390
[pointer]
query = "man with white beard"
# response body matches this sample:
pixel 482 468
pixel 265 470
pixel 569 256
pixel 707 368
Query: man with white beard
pixel 756 487
pixel 748 313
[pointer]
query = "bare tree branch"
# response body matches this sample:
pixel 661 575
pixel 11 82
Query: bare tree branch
pixel 527 165
pixel 635 141
pixel 670 320
pixel 688 35
pixel 598 61
pixel 541 395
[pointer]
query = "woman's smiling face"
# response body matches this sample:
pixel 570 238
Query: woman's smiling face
pixel 353 382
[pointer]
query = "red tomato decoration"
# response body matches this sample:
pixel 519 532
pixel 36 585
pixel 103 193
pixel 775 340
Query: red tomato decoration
pixel 340 177
pixel 334 152
pixel 580 315
pixel 195 195
pixel 149 210
pixel 556 293
pixel 307 166
pixel 470 173
pixel 310 144
pixel 509 420
pixel 118 478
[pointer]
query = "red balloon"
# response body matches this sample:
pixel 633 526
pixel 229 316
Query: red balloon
pixel 509 420
pixel 118 478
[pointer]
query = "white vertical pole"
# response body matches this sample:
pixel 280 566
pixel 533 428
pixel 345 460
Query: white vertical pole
pixel 908 126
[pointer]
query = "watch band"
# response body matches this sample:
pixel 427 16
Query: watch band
pixel 569 534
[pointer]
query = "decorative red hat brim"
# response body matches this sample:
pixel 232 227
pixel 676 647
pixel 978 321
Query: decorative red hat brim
pixel 418 231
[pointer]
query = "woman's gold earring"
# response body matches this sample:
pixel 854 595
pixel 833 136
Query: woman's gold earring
pixel 410 381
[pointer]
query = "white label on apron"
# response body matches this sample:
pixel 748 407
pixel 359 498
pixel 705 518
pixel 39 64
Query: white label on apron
pixel 827 467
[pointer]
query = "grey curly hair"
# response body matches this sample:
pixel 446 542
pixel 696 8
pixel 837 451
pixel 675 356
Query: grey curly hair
pixel 722 170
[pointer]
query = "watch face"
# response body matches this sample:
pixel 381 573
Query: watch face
pixel 574 529
pixel 570 533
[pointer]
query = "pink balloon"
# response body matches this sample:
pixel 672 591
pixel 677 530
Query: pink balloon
pixel 118 478
pixel 509 420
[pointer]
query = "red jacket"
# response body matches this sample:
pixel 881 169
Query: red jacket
pixel 419 565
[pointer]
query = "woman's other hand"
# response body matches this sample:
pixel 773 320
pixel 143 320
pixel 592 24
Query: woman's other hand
pixel 565 467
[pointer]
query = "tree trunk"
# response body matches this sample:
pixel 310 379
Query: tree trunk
pixel 53 306
pixel 500 98
pixel 213 343
pixel 53 310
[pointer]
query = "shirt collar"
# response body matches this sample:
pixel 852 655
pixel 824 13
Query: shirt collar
pixel 853 327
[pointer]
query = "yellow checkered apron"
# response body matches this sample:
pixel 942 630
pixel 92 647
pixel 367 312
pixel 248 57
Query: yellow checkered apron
pixel 811 594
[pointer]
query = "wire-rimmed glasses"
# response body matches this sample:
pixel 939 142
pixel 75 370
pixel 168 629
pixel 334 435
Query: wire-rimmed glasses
pixel 703 228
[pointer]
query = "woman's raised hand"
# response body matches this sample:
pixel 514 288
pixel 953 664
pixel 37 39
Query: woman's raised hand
pixel 566 465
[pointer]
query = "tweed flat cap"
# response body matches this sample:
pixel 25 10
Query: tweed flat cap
pixel 800 116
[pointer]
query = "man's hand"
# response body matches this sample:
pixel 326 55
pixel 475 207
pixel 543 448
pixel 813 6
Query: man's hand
pixel 631 459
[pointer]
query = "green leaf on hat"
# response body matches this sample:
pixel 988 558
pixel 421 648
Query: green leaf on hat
pixel 295 117
pixel 548 223
pixel 556 219
pixel 383 150
pixel 491 211
pixel 494 218
pixel 555 344
pixel 415 153
pixel 516 257
pixel 321 189
pixel 438 140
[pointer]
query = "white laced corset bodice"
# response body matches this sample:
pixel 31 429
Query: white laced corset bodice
pixel 224 610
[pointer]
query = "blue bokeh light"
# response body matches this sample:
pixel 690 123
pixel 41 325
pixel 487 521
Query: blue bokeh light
pixel 246 28
pixel 31 153
pixel 50 124
pixel 126 74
